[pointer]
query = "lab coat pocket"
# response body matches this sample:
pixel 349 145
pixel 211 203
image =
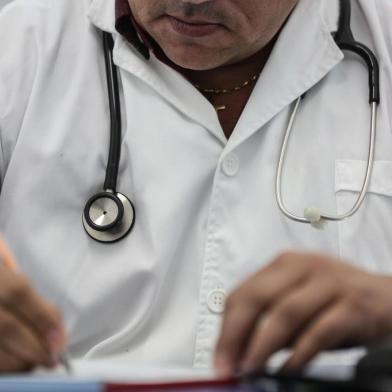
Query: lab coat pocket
pixel 366 237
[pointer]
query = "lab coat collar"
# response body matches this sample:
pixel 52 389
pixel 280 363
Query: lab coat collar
pixel 171 85
pixel 303 55
pixel 102 14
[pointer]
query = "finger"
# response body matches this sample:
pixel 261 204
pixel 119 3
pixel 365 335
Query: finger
pixel 18 296
pixel 286 319
pixel 19 341
pixel 6 256
pixel 10 364
pixel 245 305
pixel 335 326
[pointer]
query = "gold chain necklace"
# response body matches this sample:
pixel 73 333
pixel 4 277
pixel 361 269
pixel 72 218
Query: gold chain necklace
pixel 227 90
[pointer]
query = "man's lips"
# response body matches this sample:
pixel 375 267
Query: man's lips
pixel 193 27
pixel 192 20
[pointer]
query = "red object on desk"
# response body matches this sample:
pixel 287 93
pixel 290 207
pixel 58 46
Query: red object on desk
pixel 174 386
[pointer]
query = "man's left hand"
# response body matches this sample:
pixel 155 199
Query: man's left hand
pixel 308 302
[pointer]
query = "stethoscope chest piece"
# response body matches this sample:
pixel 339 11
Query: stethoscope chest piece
pixel 108 217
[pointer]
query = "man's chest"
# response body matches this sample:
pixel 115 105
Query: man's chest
pixel 206 212
pixel 185 181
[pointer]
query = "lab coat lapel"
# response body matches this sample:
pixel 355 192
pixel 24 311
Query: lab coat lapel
pixel 102 14
pixel 171 85
pixel 304 53
pixel 164 80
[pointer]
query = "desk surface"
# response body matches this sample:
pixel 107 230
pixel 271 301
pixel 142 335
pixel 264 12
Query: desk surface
pixel 110 375
pixel 24 384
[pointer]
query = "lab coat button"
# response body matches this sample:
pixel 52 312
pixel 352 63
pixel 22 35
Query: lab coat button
pixel 231 165
pixel 216 301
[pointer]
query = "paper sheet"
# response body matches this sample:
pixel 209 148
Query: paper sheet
pixel 112 370
pixel 335 365
pixel 90 375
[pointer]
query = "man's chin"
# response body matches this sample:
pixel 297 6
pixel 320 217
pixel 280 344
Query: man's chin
pixel 196 59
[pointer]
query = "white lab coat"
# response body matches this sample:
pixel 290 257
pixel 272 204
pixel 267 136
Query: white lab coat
pixel 206 211
pixel 4 2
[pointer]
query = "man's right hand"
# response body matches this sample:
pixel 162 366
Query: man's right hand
pixel 31 332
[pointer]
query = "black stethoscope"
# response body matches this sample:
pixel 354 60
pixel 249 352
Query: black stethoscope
pixel 109 215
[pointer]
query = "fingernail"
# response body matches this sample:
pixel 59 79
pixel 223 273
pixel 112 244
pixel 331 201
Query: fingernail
pixel 55 339
pixel 223 366
pixel 55 361
pixel 248 368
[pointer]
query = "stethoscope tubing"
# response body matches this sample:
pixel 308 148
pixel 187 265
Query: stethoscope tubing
pixel 110 183
pixel 121 223
pixel 366 182
pixel 345 40
pixel 109 215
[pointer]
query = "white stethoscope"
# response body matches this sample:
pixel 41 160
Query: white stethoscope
pixel 109 215
pixel 344 38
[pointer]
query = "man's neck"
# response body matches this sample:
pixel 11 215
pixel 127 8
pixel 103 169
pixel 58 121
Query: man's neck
pixel 229 88
pixel 244 74
pixel 228 76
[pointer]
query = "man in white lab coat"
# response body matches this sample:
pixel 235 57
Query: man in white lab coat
pixel 206 89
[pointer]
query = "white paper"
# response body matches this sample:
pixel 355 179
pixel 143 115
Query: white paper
pixel 119 371
pixel 337 365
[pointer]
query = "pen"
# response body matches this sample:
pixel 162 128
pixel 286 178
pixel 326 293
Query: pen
pixel 63 359
pixel 7 259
